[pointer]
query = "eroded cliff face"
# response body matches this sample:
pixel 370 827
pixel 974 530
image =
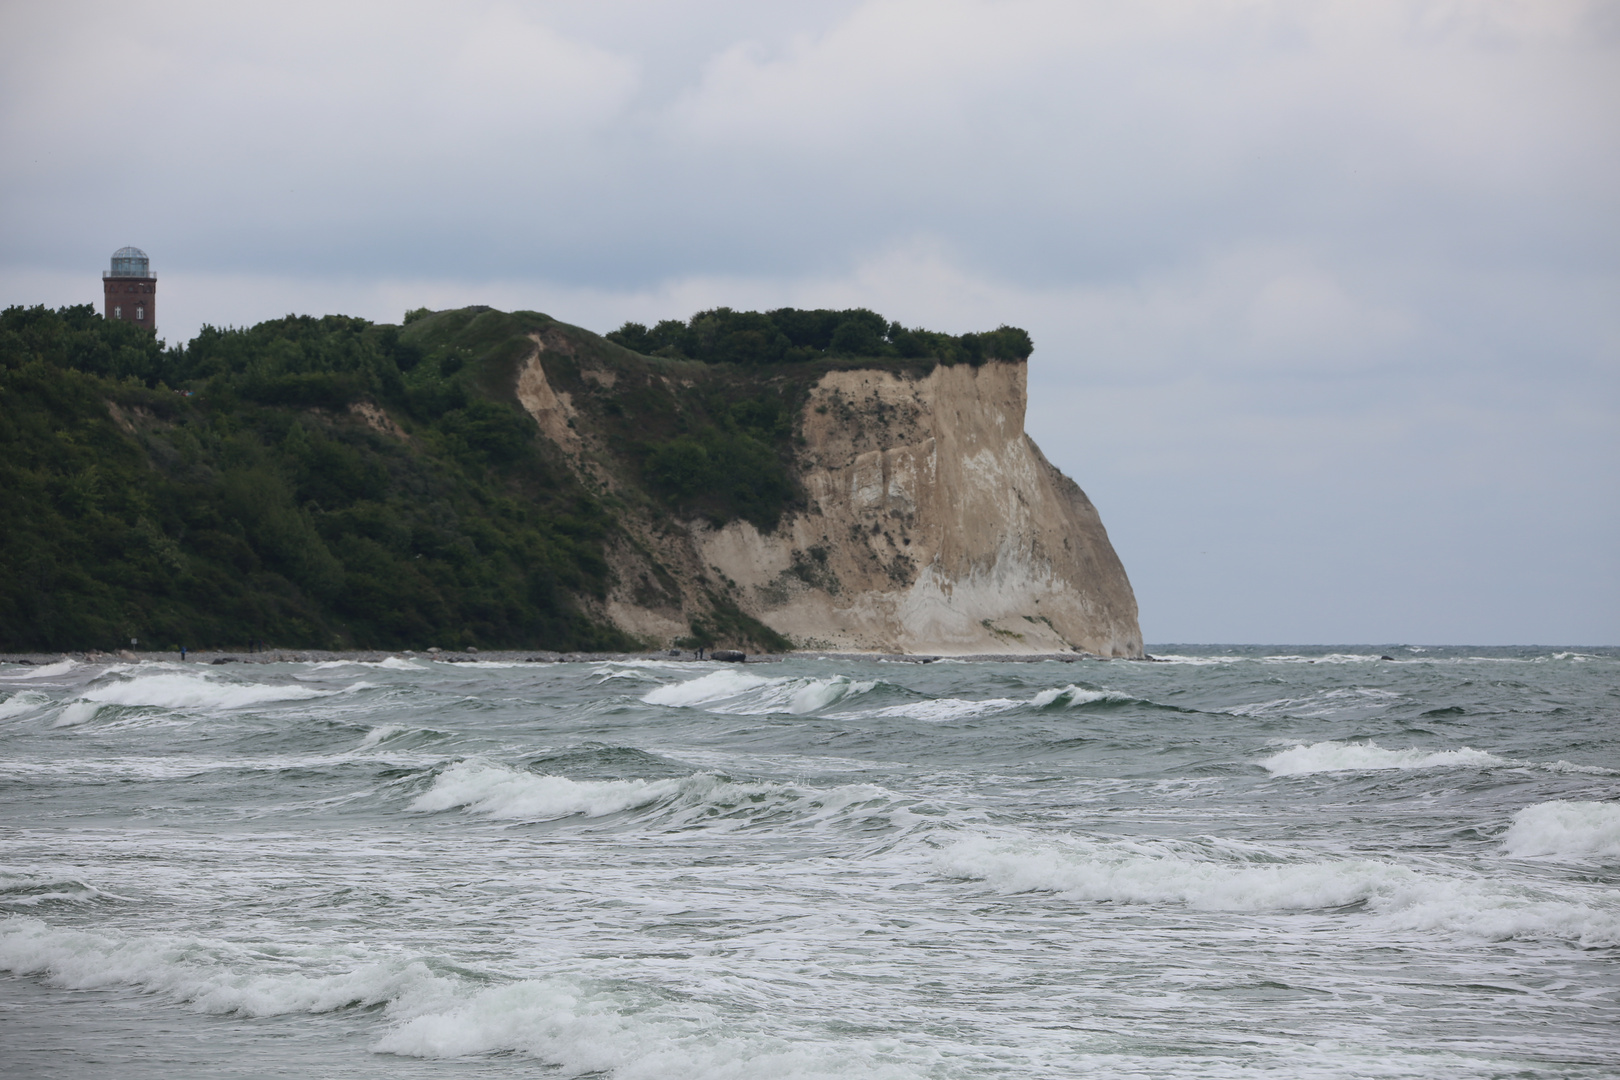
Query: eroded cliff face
pixel 933 524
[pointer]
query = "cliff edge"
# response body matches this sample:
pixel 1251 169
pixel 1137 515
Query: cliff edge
pixel 927 522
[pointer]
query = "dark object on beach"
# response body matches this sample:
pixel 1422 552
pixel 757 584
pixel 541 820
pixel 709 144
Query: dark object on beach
pixel 225 660
pixel 728 655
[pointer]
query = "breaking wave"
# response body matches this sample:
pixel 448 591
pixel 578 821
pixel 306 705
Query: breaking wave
pixel 738 692
pixel 1325 703
pixel 174 690
pixel 942 710
pixel 502 793
pixel 742 693
pixel 1582 830
pixel 1127 872
pixel 389 663
pixel 23 703
pixel 498 792
pixel 579 1025
pixel 61 667
pixel 212 975
pixel 1073 696
pixel 1328 757
pixel 27 889
pixel 596 1031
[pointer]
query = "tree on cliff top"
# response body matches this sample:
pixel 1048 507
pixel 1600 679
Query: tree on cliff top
pixel 794 335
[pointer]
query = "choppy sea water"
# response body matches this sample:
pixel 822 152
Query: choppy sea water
pixel 1244 862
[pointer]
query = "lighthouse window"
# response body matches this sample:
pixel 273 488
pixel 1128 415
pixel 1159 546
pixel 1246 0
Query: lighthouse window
pixel 118 312
pixel 140 313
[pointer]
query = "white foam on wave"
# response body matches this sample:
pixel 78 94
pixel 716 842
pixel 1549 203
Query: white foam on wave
pixel 1199 661
pixel 30 888
pixel 567 1022
pixel 498 792
pixel 495 791
pixel 738 692
pixel 390 663
pixel 1330 757
pixel 1562 766
pixel 1330 658
pixel 583 1030
pixel 176 690
pixel 378 734
pixel 1072 695
pixel 1326 703
pixel 61 667
pixel 638 674
pixel 23 703
pixel 1135 872
pixel 945 710
pixel 1280 658
pixel 1581 830
pixel 214 976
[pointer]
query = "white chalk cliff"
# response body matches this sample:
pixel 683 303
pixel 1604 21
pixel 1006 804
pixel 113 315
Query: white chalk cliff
pixel 933 524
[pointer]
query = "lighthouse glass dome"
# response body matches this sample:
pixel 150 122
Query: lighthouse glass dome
pixel 130 262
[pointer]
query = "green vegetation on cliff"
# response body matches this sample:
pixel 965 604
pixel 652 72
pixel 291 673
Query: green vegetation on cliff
pixel 224 492
pixel 337 483
pixel 793 335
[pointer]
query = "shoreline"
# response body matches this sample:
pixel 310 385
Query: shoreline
pixel 506 656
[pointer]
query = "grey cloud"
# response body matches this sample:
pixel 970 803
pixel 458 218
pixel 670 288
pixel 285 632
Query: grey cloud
pixel 1379 234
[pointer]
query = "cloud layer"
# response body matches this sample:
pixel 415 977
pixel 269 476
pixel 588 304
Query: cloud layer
pixel 1324 294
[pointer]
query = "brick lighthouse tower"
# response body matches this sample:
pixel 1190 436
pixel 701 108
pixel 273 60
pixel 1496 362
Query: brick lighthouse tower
pixel 131 289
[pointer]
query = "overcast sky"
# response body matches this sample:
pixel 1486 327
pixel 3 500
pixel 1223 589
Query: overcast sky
pixel 1325 295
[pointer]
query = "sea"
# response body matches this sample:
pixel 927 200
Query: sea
pixel 1237 862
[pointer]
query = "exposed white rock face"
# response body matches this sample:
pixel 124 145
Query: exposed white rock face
pixel 935 525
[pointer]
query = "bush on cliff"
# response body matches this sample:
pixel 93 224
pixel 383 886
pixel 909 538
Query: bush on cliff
pixel 793 335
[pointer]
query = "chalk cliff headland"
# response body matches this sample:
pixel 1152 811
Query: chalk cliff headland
pixel 929 521
pixel 813 479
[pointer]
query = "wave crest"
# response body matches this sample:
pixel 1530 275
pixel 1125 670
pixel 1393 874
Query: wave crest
pixel 502 793
pixel 567 1021
pixel 1328 757
pixel 1585 830
pixel 181 691
pixel 741 693
pixel 1134 873
pixel 61 667
pixel 498 792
